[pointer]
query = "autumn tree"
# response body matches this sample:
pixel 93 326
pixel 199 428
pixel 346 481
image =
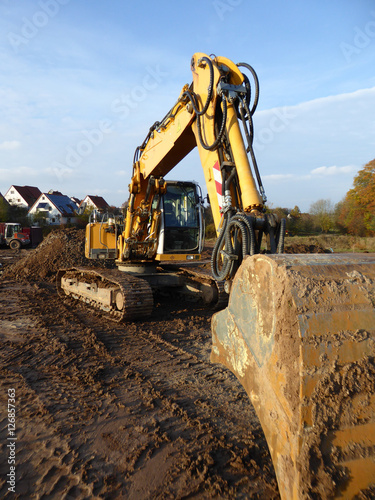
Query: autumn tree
pixel 294 221
pixel 322 212
pixel 357 210
pixel 295 212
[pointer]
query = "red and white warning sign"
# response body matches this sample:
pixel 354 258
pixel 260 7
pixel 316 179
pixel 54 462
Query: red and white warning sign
pixel 218 184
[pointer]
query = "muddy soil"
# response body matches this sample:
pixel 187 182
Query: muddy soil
pixel 91 409
pixel 133 411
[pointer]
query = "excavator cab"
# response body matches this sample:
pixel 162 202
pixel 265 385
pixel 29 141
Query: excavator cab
pixel 182 226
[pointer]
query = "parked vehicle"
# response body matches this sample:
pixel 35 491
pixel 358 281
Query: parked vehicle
pixel 14 236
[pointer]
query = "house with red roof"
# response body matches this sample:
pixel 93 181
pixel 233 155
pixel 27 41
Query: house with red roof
pixel 94 202
pixel 22 196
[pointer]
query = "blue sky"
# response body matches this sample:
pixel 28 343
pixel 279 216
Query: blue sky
pixel 82 82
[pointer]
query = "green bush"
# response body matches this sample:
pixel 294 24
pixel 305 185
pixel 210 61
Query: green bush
pixel 210 231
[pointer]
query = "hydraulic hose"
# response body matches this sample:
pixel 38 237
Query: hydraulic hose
pixel 249 138
pixel 192 96
pixel 227 254
pixel 214 145
pixel 236 253
pixel 248 222
pixel 280 244
pixel 256 81
pixel 249 131
pixel 220 275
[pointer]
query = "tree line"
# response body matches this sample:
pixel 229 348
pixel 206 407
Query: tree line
pixel 354 215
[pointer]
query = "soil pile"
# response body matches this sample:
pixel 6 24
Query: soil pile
pixel 301 248
pixel 66 248
pixel 60 249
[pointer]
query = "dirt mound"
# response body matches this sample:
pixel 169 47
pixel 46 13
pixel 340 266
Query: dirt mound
pixel 61 248
pixel 66 248
pixel 301 248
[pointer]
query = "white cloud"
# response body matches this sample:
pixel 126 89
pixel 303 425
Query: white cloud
pixel 345 98
pixel 18 173
pixel 333 170
pixel 59 173
pixel 9 145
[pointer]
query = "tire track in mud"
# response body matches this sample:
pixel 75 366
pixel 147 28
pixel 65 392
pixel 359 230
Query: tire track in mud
pixel 192 408
pixel 53 370
pixel 132 410
pixel 52 471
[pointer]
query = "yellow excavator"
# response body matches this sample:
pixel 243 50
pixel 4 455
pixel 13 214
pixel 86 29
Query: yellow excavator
pixel 298 331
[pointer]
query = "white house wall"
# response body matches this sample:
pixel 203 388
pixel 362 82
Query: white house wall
pixel 14 198
pixel 50 214
pixel 53 216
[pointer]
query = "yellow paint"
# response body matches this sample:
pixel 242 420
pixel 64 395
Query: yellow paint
pixel 178 256
pixel 250 196
pixel 97 238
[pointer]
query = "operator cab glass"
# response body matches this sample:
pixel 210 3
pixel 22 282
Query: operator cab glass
pixel 181 218
pixel 11 229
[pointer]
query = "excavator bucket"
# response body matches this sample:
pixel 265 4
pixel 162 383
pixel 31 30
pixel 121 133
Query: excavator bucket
pixel 299 334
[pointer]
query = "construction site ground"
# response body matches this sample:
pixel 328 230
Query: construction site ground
pixel 104 410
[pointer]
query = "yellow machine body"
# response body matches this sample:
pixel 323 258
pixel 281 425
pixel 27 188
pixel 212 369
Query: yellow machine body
pixel 100 241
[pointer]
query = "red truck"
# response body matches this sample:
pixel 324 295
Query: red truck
pixel 15 236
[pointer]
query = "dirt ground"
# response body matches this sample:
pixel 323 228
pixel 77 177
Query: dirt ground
pixel 91 409
pixel 106 410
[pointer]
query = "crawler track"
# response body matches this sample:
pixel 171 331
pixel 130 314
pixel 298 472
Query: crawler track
pixel 137 298
pixel 136 301
pixel 202 276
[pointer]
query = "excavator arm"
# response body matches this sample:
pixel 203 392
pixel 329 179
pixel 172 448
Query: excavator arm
pixel 208 114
